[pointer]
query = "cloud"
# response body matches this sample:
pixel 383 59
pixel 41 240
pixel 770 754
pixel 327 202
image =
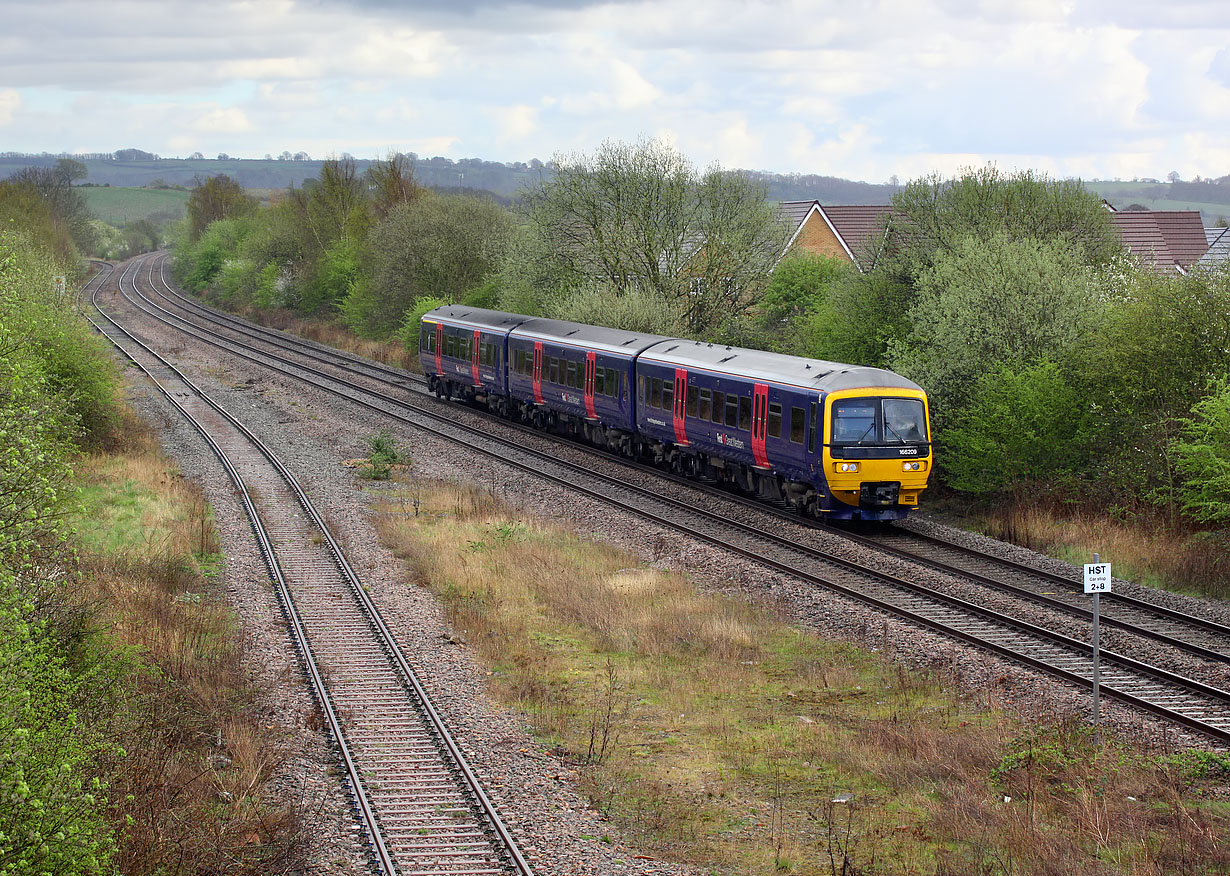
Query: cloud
pixel 10 103
pixel 515 122
pixel 229 120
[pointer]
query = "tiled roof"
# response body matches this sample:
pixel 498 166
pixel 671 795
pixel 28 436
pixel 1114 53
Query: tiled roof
pixel 1219 249
pixel 794 212
pixel 861 227
pixel 1211 234
pixel 1143 238
pixel 1184 233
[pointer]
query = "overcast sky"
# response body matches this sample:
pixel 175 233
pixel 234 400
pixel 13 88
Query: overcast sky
pixel 864 90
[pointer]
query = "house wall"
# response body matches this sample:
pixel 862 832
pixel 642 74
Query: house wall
pixel 817 238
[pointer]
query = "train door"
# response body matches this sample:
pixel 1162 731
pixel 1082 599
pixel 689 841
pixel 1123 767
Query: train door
pixel 591 369
pixel 478 381
pixel 439 348
pixel 681 401
pixel 538 371
pixel 760 420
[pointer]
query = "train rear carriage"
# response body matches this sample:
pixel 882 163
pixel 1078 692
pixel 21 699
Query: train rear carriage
pixel 842 441
pixel 464 352
pixel 577 378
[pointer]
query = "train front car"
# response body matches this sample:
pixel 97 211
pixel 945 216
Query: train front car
pixel 464 353
pixel 842 442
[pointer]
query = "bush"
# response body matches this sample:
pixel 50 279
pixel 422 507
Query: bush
pixel 1203 457
pixel 411 323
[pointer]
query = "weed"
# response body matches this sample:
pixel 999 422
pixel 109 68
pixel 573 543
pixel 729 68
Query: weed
pixel 382 455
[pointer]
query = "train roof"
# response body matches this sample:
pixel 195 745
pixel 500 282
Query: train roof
pixel 813 374
pixel 476 317
pixel 594 337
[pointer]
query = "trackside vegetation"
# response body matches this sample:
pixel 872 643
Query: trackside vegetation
pixel 118 667
pixel 1063 375
pixel 711 733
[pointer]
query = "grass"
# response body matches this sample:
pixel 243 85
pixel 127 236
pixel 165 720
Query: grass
pixel 709 732
pixel 189 795
pixel 118 206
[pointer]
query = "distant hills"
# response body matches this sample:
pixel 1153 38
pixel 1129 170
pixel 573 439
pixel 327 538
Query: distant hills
pixel 135 168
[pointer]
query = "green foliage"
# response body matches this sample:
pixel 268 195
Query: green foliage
pixel 1203 457
pixel 53 379
pixel 640 218
pixel 199 261
pixel 986 303
pixel 411 325
pixel 382 455
pixel 798 292
pixel 1020 425
pixel 438 246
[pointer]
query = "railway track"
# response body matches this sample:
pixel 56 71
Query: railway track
pixel 1187 702
pixel 1199 637
pixel 422 807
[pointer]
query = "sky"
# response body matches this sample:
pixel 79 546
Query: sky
pixel 862 90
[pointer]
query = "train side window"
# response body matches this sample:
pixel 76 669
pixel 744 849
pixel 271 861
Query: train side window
pixel 811 428
pixel 719 406
pixel 668 395
pixel 423 335
pixel 704 404
pixel 450 346
pixel 745 413
pixel 798 424
pixel 519 361
pixel 570 375
pixel 431 340
pixel 693 400
pixel 732 410
pixel 775 420
pixel 655 392
pixel 612 382
pixel 640 388
pixel 599 381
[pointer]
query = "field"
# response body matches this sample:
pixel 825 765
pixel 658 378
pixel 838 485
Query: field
pixel 1123 194
pixel 119 206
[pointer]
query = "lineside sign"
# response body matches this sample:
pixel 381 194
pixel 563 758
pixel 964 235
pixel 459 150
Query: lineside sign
pixel 1097 578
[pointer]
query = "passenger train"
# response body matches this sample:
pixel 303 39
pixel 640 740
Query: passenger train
pixel 835 441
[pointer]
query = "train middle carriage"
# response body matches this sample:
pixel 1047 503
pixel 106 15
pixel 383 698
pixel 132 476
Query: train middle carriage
pixel 841 441
pixel 576 376
pixel 463 350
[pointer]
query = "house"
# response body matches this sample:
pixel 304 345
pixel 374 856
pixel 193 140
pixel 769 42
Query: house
pixel 855 233
pixel 1167 240
pixel 1219 247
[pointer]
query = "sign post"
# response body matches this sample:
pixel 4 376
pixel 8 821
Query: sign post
pixel 1097 582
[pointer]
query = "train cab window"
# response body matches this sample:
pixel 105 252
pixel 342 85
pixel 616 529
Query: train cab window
pixel 904 420
pixel 798 424
pixel 854 420
pixel 745 413
pixel 668 396
pixel 704 405
pixel 775 420
pixel 719 407
pixel 732 410
pixel 655 392
pixel 693 400
pixel 811 428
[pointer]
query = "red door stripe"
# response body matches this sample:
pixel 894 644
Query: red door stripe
pixel 681 400
pixel 760 416
pixel 538 371
pixel 591 369
pixel 478 381
pixel 439 348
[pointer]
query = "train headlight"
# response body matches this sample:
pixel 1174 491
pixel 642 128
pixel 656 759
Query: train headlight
pixel 911 466
pixel 846 467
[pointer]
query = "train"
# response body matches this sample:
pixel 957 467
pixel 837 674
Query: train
pixel 833 441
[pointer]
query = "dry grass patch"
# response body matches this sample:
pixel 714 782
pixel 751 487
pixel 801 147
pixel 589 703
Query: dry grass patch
pixel 189 795
pixel 1147 549
pixel 335 334
pixel 711 733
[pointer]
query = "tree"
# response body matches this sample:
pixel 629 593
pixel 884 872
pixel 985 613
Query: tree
pixel 285 156
pixel 222 156
pixel 1172 177
pixel 217 197
pixel 640 217
pixel 434 246
pixel 392 182
pixel 196 156
pixel 1203 456
pixel 67 204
